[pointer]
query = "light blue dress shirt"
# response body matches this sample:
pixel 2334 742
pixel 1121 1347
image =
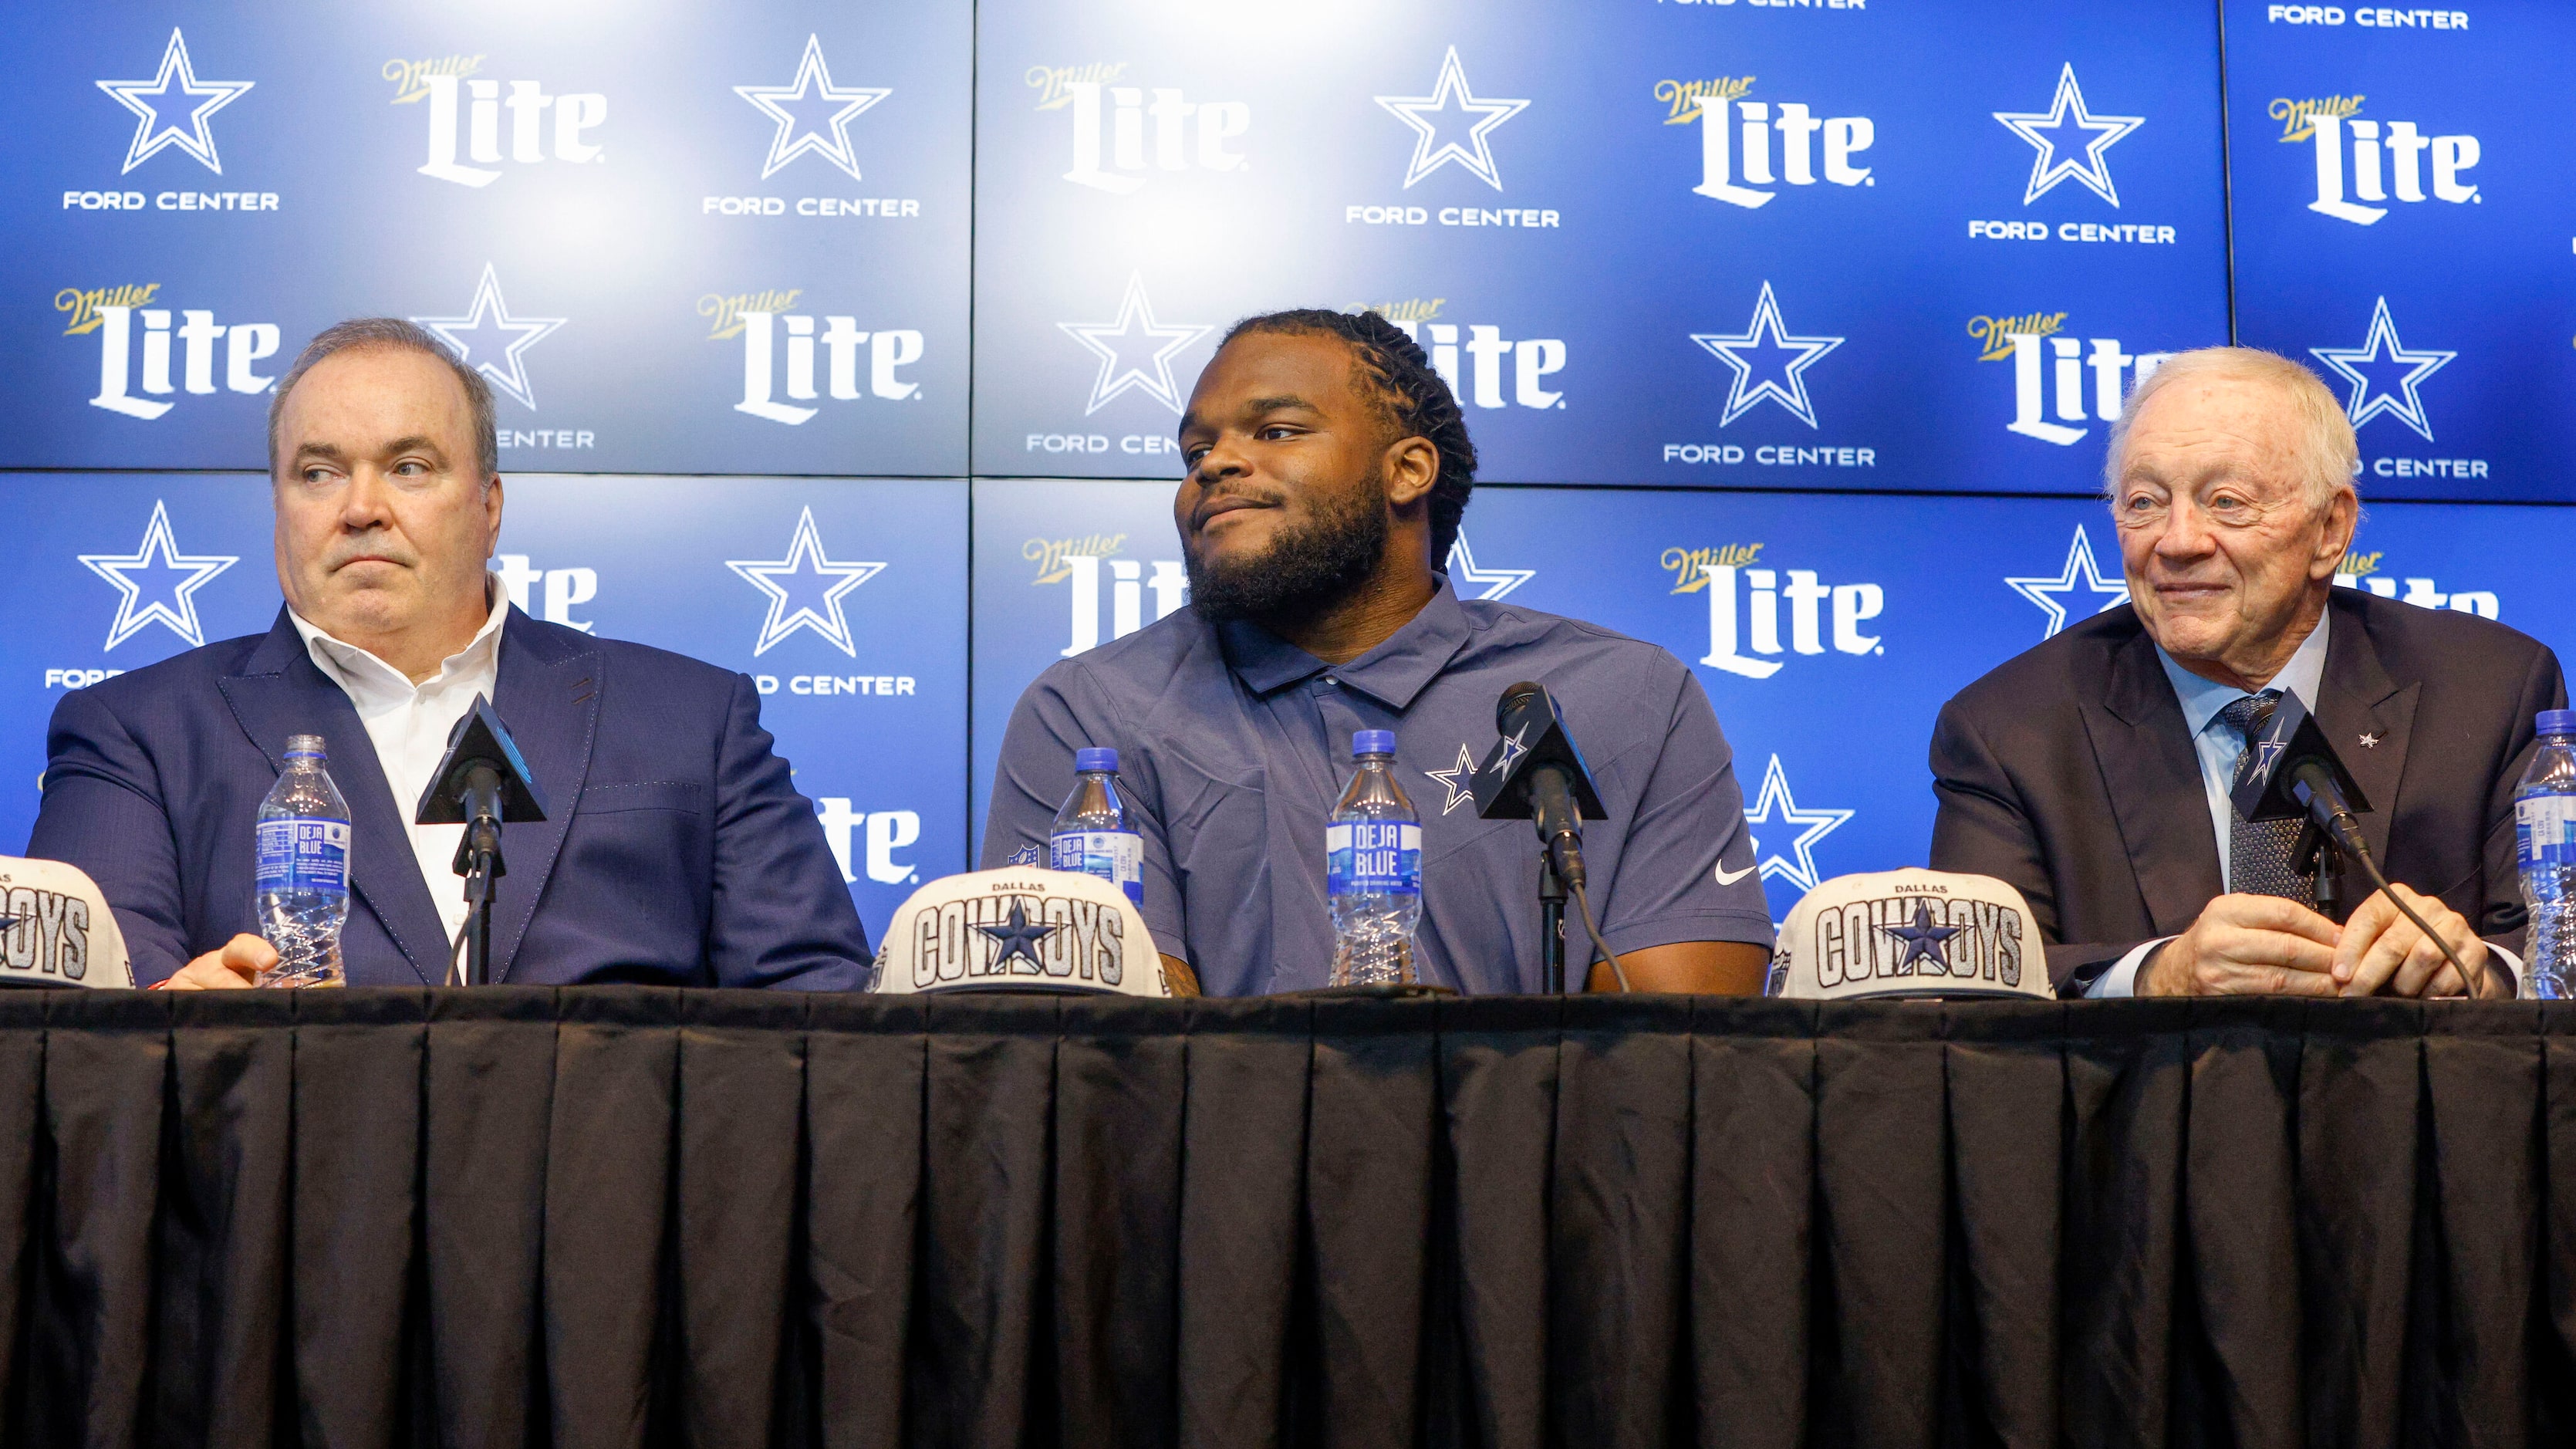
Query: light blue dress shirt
pixel 2219 747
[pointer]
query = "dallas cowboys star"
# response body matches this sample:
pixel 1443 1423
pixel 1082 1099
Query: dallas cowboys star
pixel 1473 152
pixel 1768 362
pixel 1123 363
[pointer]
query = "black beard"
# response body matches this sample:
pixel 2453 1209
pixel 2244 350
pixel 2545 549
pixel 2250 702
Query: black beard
pixel 1304 573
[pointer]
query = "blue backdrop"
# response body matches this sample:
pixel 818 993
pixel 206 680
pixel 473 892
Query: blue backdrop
pixel 844 345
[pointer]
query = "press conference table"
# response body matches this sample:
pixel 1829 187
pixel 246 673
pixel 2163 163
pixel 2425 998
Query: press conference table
pixel 619 1216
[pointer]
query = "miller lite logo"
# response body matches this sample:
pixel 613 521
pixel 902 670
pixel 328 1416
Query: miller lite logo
pixel 1124 133
pixel 2360 160
pixel 491 123
pixel 2061 383
pixel 778 356
pixel 136 349
pixel 1490 359
pixel 1749 144
pixel 1744 617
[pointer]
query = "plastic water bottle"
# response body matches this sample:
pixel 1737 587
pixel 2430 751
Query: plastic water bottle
pixel 2544 826
pixel 303 872
pixel 1091 834
pixel 1373 870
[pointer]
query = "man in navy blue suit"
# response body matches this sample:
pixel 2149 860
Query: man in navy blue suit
pixel 676 850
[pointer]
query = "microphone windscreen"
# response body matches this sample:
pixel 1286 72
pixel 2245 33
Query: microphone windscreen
pixel 1511 702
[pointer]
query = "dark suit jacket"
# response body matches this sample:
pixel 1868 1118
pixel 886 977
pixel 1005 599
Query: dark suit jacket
pixel 2069 773
pixel 675 850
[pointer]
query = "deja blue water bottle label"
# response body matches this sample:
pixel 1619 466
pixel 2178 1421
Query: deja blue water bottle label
pixel 1372 857
pixel 1116 856
pixel 303 855
pixel 2546 827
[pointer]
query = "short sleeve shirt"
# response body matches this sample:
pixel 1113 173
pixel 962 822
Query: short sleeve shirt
pixel 1234 747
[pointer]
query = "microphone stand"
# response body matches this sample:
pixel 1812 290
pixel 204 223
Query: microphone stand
pixel 1551 923
pixel 478 859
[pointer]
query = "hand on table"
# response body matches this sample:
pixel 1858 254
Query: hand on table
pixel 2382 952
pixel 2245 945
pixel 235 965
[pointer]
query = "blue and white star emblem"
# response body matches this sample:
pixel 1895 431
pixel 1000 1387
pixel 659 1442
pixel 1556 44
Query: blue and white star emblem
pixel 491 341
pixel 158 582
pixel 1474 153
pixel 804 589
pixel 1768 362
pixel 2070 141
pixel 151 133
pixel 1514 746
pixel 1923 940
pixel 1125 363
pixel 2384 374
pixel 1464 575
pixel 1019 937
pixel 1814 825
pixel 2082 572
pixel 1459 780
pixel 825 132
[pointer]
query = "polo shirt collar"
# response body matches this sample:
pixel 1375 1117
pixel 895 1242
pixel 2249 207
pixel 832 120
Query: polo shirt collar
pixel 1393 673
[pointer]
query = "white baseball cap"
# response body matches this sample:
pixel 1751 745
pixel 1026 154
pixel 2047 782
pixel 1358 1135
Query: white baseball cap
pixel 56 929
pixel 1909 933
pixel 1019 929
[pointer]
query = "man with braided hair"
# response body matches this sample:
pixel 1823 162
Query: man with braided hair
pixel 1328 468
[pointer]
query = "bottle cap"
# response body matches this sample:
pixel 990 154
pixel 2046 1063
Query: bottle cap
pixel 1095 759
pixel 304 745
pixel 2558 722
pixel 1372 742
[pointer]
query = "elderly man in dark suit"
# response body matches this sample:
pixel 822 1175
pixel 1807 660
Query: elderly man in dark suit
pixel 2092 771
pixel 675 850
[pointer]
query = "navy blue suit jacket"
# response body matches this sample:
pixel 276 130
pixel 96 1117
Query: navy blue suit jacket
pixel 675 852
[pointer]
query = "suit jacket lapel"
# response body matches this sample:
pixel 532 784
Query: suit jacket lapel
pixel 2143 747
pixel 548 695
pixel 2357 699
pixel 280 693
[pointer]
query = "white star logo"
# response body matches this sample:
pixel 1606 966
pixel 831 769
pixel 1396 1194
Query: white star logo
pixel 502 340
pixel 1776 799
pixel 2395 394
pixel 173 596
pixel 151 133
pixel 2058 153
pixel 2081 571
pixel 1463 573
pixel 2371 741
pixel 1458 780
pixel 1151 371
pixel 1765 334
pixel 804 567
pixel 1430 153
pixel 813 88
pixel 1513 747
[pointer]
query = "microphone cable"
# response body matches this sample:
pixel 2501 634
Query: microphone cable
pixel 1592 928
pixel 2354 847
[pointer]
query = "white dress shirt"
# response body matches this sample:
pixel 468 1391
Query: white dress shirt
pixel 409 725
pixel 2219 747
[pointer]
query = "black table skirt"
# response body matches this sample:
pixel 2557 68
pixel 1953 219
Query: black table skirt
pixel 622 1216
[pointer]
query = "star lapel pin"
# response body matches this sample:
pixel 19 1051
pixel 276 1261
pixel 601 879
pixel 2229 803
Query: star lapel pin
pixel 2370 741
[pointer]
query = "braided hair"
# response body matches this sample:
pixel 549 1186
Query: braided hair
pixel 1415 400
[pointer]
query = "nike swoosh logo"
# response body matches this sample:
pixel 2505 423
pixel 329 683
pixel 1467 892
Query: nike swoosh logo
pixel 1723 878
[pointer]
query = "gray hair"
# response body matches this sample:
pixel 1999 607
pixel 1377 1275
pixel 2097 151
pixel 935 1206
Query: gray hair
pixel 2328 454
pixel 394 332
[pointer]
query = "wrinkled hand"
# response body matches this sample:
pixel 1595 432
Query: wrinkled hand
pixel 236 965
pixel 2245 945
pixel 2382 952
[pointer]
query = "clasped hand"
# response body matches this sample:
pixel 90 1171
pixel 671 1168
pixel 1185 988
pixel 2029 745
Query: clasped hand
pixel 2266 945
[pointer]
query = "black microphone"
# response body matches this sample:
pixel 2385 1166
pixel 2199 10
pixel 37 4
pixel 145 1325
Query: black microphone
pixel 2298 776
pixel 482 784
pixel 1535 773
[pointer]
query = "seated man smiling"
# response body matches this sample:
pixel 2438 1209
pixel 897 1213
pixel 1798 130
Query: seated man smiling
pixel 1328 469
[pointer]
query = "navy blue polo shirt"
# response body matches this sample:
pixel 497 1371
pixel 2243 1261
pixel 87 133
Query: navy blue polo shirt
pixel 1233 747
